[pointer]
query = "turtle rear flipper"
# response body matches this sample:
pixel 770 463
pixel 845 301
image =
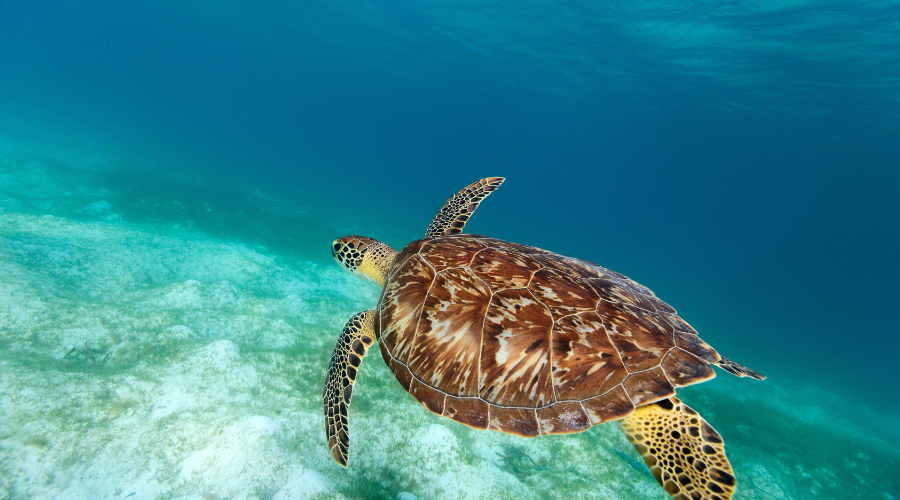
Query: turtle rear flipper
pixel 351 348
pixel 739 370
pixel 684 453
pixel 452 217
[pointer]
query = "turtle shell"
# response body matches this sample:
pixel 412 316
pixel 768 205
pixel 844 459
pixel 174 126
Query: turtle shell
pixel 509 337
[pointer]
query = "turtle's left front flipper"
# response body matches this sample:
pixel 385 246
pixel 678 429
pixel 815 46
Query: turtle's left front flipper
pixel 684 453
pixel 351 348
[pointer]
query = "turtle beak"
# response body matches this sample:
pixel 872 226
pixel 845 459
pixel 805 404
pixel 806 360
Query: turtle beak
pixel 336 247
pixel 347 252
pixel 350 253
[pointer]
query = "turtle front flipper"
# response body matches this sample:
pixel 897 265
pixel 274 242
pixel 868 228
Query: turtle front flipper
pixel 452 217
pixel 684 453
pixel 351 348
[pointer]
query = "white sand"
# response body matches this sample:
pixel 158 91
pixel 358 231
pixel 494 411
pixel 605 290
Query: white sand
pixel 152 361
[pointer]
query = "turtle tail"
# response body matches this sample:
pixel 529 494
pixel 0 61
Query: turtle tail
pixel 739 370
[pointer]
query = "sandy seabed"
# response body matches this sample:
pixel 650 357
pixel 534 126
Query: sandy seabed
pixel 146 358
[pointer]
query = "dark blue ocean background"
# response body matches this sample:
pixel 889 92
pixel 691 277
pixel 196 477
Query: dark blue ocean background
pixel 741 159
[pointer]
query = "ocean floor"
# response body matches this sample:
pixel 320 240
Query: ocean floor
pixel 170 341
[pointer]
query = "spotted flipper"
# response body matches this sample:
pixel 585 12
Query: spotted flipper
pixel 739 370
pixel 452 217
pixel 351 348
pixel 684 453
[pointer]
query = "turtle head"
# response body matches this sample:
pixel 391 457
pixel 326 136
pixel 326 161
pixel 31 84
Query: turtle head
pixel 364 257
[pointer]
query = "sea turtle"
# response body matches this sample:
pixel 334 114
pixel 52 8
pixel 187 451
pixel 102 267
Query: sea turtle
pixel 508 337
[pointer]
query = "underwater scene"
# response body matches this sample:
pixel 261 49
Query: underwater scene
pixel 173 176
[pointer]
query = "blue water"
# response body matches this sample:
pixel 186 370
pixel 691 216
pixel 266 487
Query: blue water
pixel 739 158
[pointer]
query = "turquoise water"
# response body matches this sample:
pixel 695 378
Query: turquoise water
pixel 173 172
pixel 156 344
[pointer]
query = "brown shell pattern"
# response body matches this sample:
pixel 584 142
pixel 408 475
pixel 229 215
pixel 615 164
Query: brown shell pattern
pixel 503 336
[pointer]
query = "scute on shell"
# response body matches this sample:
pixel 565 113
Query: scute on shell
pixel 513 338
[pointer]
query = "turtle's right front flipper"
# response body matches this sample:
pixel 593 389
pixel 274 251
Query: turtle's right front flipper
pixel 452 217
pixel 351 348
